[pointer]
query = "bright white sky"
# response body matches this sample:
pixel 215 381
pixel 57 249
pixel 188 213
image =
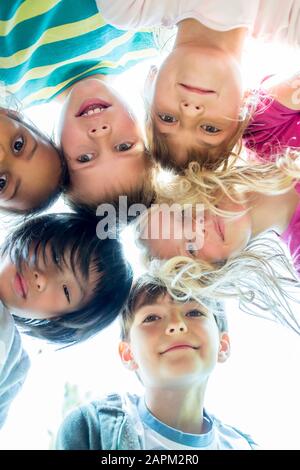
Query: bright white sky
pixel 257 390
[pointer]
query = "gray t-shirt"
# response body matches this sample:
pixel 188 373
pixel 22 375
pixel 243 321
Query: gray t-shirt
pixel 14 362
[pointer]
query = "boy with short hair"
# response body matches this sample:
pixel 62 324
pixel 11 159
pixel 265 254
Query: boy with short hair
pixel 173 346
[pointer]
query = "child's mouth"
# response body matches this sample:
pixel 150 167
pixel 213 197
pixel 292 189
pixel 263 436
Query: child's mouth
pixel 92 107
pixel 20 286
pixel 200 91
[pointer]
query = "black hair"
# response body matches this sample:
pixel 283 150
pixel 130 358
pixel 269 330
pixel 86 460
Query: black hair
pixel 74 234
pixel 146 290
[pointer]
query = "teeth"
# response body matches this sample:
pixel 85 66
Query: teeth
pixel 95 110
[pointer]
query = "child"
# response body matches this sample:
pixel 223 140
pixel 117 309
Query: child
pixel 47 48
pixel 59 256
pixel 58 280
pixel 221 254
pixel 173 347
pixel 104 147
pixel 32 171
pixel 196 99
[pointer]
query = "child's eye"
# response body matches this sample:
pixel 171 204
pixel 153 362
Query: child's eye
pixel 151 318
pixel 66 292
pixel 210 129
pixel 3 182
pixel 190 248
pixel 18 144
pixel 123 147
pixel 195 313
pixel 86 157
pixel 167 118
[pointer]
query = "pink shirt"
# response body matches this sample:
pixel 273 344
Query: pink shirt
pixel 273 128
pixel 291 236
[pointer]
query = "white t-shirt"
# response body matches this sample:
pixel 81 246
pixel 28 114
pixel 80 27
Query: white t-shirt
pixel 270 19
pixel 218 436
pixel 14 362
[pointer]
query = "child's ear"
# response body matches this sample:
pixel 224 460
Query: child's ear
pixel 224 347
pixel 149 81
pixel 126 356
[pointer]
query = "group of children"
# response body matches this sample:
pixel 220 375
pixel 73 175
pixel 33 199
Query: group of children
pixel 58 280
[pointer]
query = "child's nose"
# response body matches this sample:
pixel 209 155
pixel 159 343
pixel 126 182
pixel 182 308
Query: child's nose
pixel 99 130
pixel 191 109
pixel 176 327
pixel 40 281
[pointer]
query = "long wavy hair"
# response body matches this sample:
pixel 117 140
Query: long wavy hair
pixel 261 277
pixel 208 187
pixel 262 274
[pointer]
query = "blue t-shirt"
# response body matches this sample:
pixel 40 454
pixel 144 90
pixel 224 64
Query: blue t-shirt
pixel 217 436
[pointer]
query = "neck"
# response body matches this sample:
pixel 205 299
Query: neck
pixel 181 409
pixel 62 96
pixel 191 32
pixel 272 212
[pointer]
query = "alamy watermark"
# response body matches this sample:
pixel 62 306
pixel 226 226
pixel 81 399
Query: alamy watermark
pixel 160 222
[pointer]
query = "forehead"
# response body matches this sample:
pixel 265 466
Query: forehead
pixel 163 299
pixel 117 176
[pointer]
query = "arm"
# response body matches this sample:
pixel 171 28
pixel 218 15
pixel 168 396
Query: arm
pixel 287 92
pixel 13 370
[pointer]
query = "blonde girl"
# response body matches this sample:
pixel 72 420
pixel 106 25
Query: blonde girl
pixel 239 205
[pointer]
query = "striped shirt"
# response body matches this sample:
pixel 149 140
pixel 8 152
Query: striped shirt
pixel 46 46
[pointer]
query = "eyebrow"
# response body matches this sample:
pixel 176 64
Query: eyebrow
pixel 32 152
pixel 152 303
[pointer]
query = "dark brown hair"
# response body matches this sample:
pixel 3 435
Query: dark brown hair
pixel 146 290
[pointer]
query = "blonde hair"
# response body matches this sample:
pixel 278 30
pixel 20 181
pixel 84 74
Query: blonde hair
pixel 261 277
pixel 255 275
pixel 209 187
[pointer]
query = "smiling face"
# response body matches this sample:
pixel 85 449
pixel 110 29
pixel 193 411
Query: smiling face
pixel 43 290
pixel 219 239
pixel 102 143
pixel 30 167
pixel 196 100
pixel 174 343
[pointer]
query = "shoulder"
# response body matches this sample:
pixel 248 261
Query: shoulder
pixel 13 357
pixel 7 332
pixel 79 429
pixel 14 362
pixel 231 437
pixel 86 426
